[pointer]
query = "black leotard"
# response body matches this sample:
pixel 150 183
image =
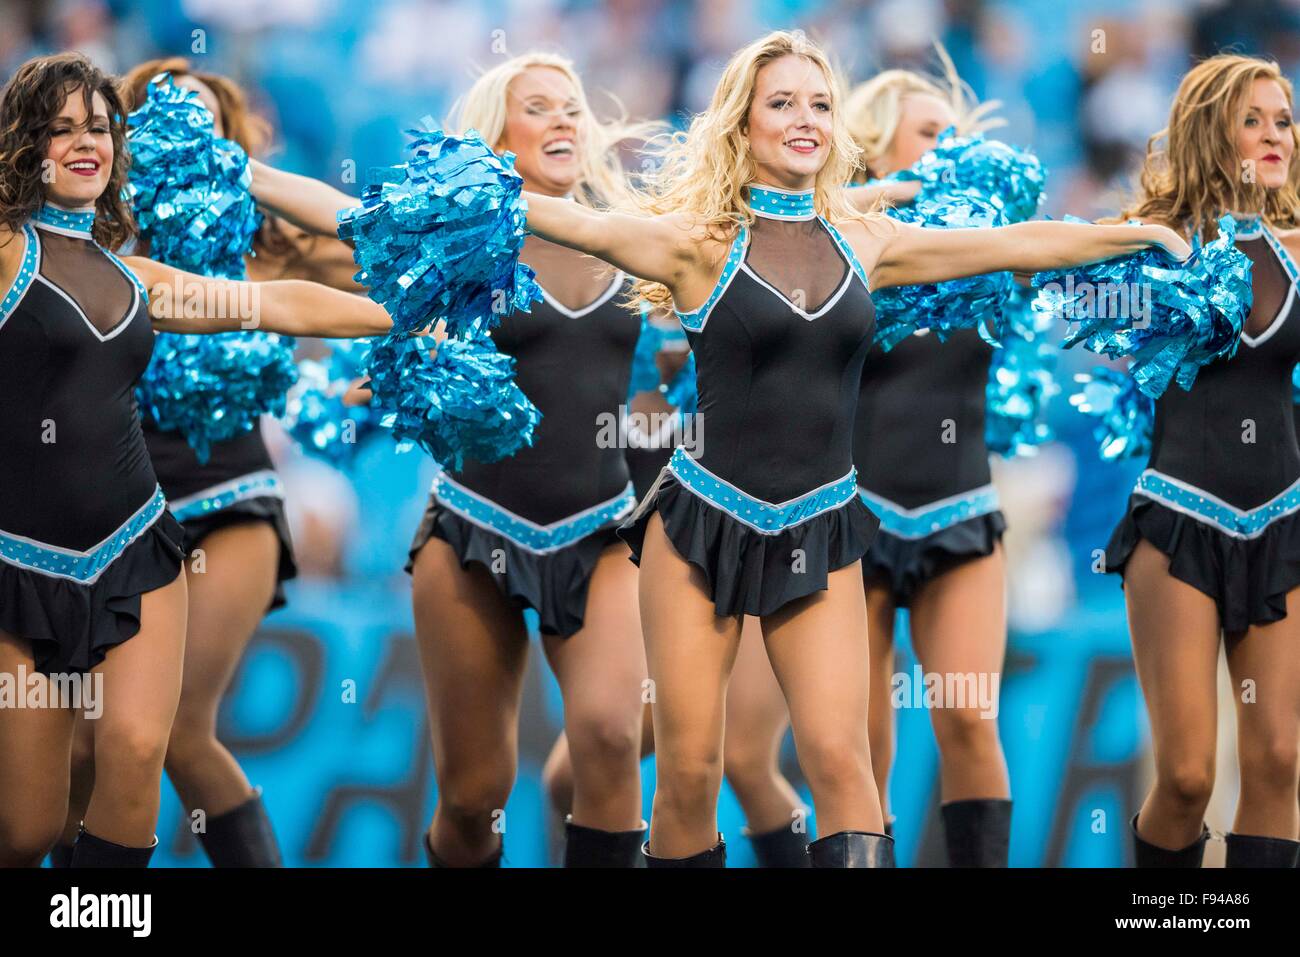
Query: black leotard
pixel 1221 494
pixel 83 524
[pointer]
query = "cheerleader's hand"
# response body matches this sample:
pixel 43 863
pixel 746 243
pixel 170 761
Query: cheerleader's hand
pixel 866 199
pixel 1170 242
pixel 358 393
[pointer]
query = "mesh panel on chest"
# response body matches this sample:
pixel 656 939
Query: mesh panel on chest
pixel 86 276
pixel 1269 282
pixel 798 259
pixel 573 280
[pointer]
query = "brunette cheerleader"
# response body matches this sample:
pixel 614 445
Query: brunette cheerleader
pixel 1210 544
pixel 748 233
pixel 90 558
pixel 231 508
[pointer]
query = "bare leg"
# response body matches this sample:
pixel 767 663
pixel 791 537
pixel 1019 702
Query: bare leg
pixel 473 651
pixel 142 686
pixel 818 649
pixel 1265 668
pixel 959 628
pixel 756 723
pixel 690 652
pixel 35 746
pixel 880 712
pixel 1175 631
pixel 227 602
pixel 602 670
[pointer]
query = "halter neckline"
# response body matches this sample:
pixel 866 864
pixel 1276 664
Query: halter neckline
pixel 772 202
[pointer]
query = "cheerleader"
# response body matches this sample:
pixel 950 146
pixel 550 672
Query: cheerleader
pixel 90 558
pixel 231 508
pixel 756 718
pixel 747 232
pixel 938 553
pixel 1210 543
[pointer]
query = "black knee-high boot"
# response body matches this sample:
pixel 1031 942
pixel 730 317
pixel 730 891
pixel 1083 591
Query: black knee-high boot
pixel 242 837
pixel 592 847
pixel 91 851
pixel 852 849
pixel 1146 854
pixel 784 847
pixel 61 855
pixel 977 832
pixel 716 856
pixel 493 860
pixel 1249 850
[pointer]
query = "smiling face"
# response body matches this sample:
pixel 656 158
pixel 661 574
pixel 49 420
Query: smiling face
pixel 789 122
pixel 206 96
pixel 1265 142
pixel 543 131
pixel 79 159
pixel 922 117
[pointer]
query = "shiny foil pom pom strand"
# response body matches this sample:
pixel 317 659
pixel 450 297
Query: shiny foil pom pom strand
pixel 459 402
pixel 1021 384
pixel 1011 179
pixel 1125 415
pixel 974 302
pixel 439 237
pixel 1171 318
pixel 189 189
pixel 315 416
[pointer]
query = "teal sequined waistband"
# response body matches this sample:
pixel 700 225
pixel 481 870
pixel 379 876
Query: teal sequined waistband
pixel 763 517
pixel 1213 511
pixel 934 517
pixel 528 535
pixel 81 567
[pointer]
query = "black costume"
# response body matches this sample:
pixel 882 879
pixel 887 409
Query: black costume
pixel 84 527
pixel 1221 492
pixel 539 520
pixel 237 485
pixel 922 459
pixel 766 505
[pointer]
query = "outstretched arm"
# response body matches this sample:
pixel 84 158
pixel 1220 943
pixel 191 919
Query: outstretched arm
pixel 866 198
pixel 657 248
pixel 911 255
pixel 307 203
pixel 185 302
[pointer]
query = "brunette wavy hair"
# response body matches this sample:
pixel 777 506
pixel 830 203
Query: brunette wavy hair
pixel 29 105
pixel 238 123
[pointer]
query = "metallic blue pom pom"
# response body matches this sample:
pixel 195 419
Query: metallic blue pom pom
pixel 214 388
pixel 1171 318
pixel 1021 383
pixel 975 302
pixel 188 186
pixel 460 402
pixel 439 236
pixel 189 190
pixel 1125 415
pixel 315 416
pixel 1012 180
pixel 1295 386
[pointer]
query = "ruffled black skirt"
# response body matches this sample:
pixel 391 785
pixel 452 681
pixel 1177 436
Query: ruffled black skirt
pixel 748 572
pixel 904 564
pixel 553 584
pixel 72 626
pixel 1248 578
pixel 270 510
